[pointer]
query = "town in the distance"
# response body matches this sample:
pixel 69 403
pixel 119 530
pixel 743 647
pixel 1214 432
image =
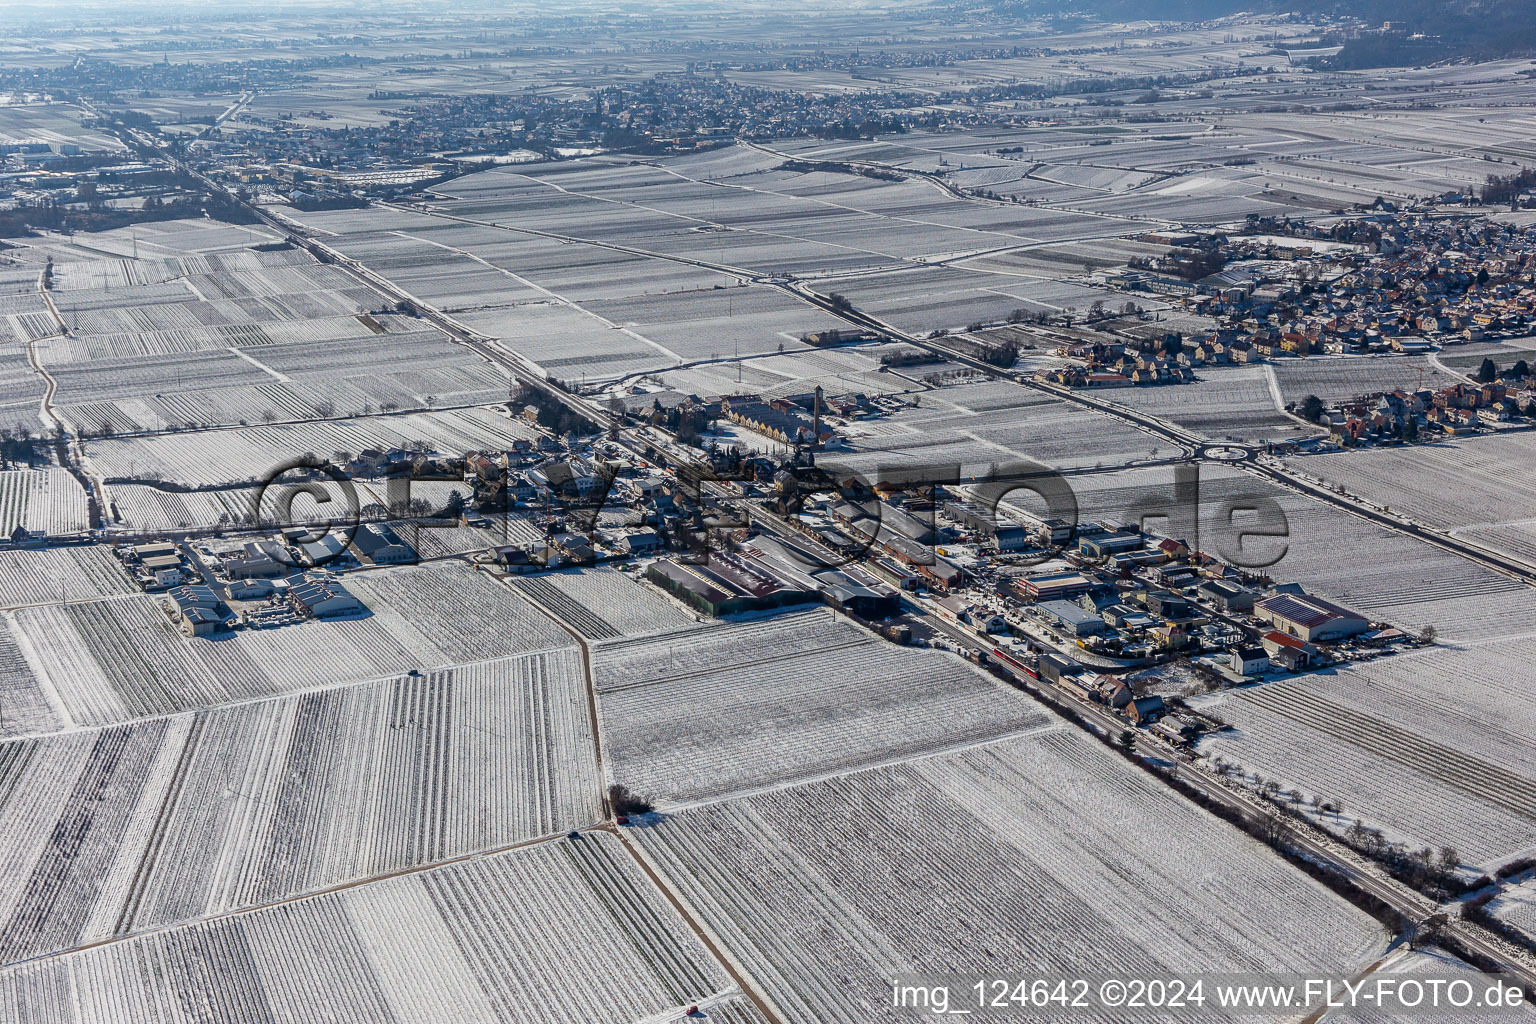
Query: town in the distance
pixel 767 515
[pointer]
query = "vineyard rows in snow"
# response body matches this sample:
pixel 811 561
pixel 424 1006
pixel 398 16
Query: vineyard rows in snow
pixel 21 393
pixel 243 453
pixel 1046 853
pixel 704 714
pixel 123 658
pixel 1337 378
pixel 1429 966
pixel 990 423
pixel 1226 402
pixel 1468 485
pixel 46 501
pixel 603 604
pixel 25 706
pixel 565 930
pixel 173 819
pixel 303 380
pixel 1516 906
pixel 319 333
pixel 136 273
pixel 1427 746
pixel 195 342
pixel 73 573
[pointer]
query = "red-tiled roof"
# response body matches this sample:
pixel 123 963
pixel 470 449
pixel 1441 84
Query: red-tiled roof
pixel 1284 639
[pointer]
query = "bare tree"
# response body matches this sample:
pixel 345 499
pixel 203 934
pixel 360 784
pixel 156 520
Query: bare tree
pixel 1274 829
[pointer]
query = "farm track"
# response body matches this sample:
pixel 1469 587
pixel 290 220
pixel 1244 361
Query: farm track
pixel 49 411
pixel 1471 775
pixel 590 687
pixel 695 925
pixel 71 452
pixel 700 931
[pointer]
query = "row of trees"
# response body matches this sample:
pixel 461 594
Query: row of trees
pixel 19 446
pixel 324 409
pixel 1506 188
pixel 553 415
pixel 54 215
pixel 1425 869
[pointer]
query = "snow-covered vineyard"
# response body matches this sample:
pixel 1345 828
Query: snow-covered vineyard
pixel 241 337
pixel 980 425
pixel 568 719
pixel 239 454
pixel 1463 486
pixel 603 604
pixel 47 502
pixel 1427 747
pixel 74 573
pixel 181 818
pixel 706 714
pixel 462 944
pixel 1057 855
pixel 122 658
pixel 1230 401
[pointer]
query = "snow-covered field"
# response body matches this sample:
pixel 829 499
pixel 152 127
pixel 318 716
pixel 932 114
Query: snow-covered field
pixel 72 573
pixel 153 509
pixel 25 706
pixel 568 928
pixel 1475 487
pixel 1227 401
pixel 197 341
pixel 245 805
pixel 1403 970
pixel 1516 905
pixel 47 501
pixel 246 453
pixel 976 426
pixel 603 604
pixel 703 714
pixel 1046 853
pixel 1428 746
pixel 1336 378
pixel 123 658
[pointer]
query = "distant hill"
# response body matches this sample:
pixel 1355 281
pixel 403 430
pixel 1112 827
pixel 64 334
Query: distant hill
pixel 1454 28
